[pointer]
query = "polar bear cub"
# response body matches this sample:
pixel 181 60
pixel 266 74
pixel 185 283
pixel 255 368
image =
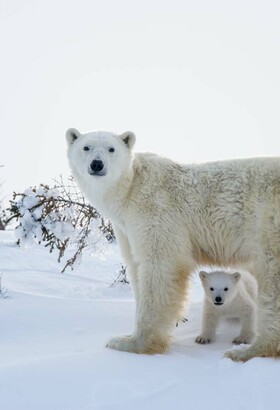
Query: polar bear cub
pixel 229 295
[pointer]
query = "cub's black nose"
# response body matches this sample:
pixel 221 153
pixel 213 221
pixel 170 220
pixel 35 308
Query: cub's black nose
pixel 96 165
pixel 218 299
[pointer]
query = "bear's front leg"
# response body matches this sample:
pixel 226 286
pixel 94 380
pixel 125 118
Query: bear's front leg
pixel 138 344
pixel 161 295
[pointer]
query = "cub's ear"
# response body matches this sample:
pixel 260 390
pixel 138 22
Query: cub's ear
pixel 202 275
pixel 71 135
pixel 236 276
pixel 128 138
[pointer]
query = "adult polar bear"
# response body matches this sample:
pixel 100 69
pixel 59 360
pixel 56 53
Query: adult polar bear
pixel 170 218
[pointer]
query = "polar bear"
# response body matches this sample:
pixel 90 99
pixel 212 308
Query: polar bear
pixel 229 295
pixel 169 219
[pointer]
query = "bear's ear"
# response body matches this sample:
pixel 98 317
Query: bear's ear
pixel 202 275
pixel 236 276
pixel 71 135
pixel 128 138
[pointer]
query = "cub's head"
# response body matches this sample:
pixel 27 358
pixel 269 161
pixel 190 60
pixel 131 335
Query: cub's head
pixel 220 287
pixel 99 156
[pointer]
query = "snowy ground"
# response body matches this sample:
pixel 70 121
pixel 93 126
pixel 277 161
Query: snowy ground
pixel 54 328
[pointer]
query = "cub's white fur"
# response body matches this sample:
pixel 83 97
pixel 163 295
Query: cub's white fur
pixel 229 295
pixel 170 219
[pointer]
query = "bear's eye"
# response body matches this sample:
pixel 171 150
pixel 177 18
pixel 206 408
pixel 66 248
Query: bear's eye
pixel 211 289
pixel 225 289
pixel 86 148
pixel 112 149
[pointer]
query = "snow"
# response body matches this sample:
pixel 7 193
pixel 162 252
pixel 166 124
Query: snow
pixel 54 329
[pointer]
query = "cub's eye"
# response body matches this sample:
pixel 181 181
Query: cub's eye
pixel 225 289
pixel 211 289
pixel 86 148
pixel 112 149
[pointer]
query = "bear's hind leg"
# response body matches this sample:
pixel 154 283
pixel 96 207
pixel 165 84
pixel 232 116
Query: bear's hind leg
pixel 267 343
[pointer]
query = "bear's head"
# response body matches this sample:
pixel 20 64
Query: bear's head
pixel 220 287
pixel 99 157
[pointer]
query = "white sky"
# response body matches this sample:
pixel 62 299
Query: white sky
pixel 195 80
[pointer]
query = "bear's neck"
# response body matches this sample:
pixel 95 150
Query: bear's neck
pixel 112 202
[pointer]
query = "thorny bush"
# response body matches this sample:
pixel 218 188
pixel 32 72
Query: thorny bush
pixel 60 218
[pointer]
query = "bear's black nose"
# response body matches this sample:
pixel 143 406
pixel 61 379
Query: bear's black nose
pixel 218 299
pixel 96 165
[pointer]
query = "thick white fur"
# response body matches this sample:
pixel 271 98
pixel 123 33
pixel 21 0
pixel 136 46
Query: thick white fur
pixel 237 292
pixel 170 218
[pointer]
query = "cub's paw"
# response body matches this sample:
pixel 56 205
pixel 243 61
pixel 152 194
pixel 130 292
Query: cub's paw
pixel 239 340
pixel 203 340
